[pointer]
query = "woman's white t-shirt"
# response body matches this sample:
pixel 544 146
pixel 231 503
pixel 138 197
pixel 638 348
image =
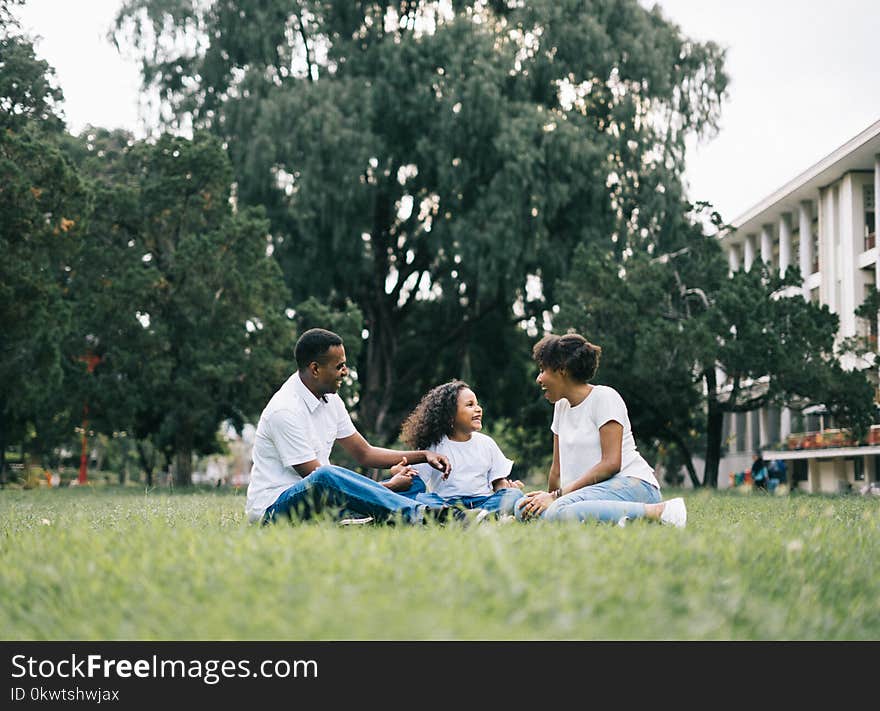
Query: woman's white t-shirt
pixel 578 431
pixel 475 465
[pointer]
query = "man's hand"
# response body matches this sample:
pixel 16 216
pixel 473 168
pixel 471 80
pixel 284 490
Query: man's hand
pixel 439 462
pixel 535 503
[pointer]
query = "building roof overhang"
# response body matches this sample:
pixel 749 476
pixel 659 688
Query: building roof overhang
pixel 824 453
pixel 857 154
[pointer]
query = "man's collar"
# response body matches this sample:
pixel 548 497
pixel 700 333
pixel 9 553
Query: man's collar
pixel 307 395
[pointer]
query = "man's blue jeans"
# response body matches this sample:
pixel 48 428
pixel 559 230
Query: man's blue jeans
pixel 609 500
pixel 332 487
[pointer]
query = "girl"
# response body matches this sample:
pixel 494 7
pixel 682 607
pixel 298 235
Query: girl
pixel 597 472
pixel 450 418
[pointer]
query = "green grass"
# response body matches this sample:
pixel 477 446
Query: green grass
pixel 121 564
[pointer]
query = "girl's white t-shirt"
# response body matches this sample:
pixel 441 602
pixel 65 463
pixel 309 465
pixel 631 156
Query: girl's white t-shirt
pixel 578 431
pixel 475 465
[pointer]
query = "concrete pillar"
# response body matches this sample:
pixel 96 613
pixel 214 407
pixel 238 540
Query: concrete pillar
pixel 733 258
pixel 767 244
pixel 784 242
pixel 749 251
pixel 784 424
pixel 877 219
pixel 763 428
pixel 850 245
pixel 828 246
pixel 805 226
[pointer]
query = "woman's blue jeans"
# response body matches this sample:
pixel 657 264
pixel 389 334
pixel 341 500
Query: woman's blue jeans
pixel 609 500
pixel 332 487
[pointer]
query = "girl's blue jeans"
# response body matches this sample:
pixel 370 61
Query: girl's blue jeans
pixel 501 502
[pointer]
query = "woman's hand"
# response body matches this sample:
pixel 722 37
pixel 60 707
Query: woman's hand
pixel 535 503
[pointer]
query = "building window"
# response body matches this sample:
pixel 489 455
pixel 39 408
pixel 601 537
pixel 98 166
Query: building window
pixel 773 426
pixel 814 237
pixel 871 323
pixel 859 468
pixel 870 218
pixel 740 431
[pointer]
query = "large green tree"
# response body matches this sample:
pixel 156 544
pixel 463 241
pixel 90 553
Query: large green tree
pixel 177 294
pixel 44 205
pixel 439 161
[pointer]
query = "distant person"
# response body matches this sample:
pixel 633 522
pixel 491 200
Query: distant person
pixel 448 420
pixel 760 474
pixel 776 470
pixel 597 473
pixel 292 476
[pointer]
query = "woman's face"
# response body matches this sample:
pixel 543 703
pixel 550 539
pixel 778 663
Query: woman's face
pixel 553 383
pixel 469 414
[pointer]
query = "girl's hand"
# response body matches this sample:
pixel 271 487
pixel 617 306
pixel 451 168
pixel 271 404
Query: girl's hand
pixel 507 484
pixel 399 482
pixel 401 476
pixel 402 468
pixel 535 503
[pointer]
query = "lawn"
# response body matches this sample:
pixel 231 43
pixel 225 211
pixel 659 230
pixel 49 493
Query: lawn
pixel 108 563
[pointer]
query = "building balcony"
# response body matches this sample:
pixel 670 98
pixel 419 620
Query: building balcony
pixel 830 438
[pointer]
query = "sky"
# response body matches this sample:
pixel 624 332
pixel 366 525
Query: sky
pixel 804 79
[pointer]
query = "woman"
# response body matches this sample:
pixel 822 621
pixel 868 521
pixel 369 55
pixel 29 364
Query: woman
pixel 597 473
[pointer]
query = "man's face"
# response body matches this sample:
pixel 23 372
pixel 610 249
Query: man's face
pixel 331 371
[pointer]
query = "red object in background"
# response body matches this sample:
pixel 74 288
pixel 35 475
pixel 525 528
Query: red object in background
pixel 91 361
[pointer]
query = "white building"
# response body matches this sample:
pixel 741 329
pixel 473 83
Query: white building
pixel 824 220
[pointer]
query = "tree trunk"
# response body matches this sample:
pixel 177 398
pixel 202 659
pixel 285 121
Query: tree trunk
pixel 147 464
pixel 688 462
pixel 714 421
pixel 380 380
pixel 183 455
pixel 3 479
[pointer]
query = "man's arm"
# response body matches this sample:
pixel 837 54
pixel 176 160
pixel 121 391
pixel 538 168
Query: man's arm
pixel 306 468
pixel 381 458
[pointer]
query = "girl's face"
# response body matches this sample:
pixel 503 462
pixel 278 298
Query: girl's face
pixel 553 383
pixel 469 415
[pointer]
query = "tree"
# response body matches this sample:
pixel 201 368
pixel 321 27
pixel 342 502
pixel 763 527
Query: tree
pixel 179 296
pixel 410 152
pixel 684 341
pixel 44 205
pixel 647 354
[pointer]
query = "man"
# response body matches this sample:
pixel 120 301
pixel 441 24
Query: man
pixel 291 472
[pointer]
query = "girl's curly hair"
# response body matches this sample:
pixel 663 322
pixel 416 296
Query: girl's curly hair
pixel 433 417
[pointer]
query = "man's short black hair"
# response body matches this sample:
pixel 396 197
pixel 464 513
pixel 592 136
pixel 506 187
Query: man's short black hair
pixel 313 346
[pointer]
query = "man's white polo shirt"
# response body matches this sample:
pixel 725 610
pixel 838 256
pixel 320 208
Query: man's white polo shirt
pixel 295 427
